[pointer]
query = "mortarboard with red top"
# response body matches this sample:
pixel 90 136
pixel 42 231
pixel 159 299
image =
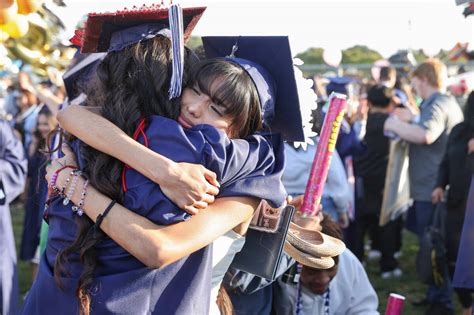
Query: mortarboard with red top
pixel 108 32
pixel 99 27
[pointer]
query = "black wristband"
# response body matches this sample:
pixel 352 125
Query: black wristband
pixel 100 217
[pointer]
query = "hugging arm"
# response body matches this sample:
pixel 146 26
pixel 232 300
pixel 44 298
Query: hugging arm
pixel 154 245
pixel 191 187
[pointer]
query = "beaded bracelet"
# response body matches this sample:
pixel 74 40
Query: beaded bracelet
pixel 66 183
pixel 78 209
pixel 54 178
pixel 75 175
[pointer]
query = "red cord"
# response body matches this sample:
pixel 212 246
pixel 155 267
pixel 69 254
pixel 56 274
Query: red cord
pixel 140 130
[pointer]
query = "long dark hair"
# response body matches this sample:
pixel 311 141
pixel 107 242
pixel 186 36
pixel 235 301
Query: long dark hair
pixel 129 84
pixel 227 83
pixel 52 122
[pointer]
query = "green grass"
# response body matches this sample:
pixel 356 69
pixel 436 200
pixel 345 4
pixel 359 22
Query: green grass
pixel 24 271
pixel 407 285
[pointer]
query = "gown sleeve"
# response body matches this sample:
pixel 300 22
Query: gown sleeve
pixel 13 163
pixel 250 167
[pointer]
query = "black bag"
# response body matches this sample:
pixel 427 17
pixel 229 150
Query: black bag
pixel 431 261
pixel 263 249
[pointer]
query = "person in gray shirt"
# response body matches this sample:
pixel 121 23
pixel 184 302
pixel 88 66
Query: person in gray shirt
pixel 427 134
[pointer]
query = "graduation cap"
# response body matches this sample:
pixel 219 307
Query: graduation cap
pixel 115 31
pixel 81 72
pixel 338 85
pixel 268 61
pixel 100 27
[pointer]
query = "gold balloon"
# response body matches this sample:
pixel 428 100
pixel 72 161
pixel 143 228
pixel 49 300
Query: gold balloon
pixel 6 3
pixel 8 11
pixel 16 28
pixel 3 36
pixel 28 6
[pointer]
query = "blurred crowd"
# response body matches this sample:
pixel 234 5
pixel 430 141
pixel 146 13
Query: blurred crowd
pixel 413 107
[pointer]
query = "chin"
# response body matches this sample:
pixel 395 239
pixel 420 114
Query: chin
pixel 319 290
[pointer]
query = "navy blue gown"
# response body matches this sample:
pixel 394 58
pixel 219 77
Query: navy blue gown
pixel 37 193
pixel 13 166
pixel 122 284
pixel 464 272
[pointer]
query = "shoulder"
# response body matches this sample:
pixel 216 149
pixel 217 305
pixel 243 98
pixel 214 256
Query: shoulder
pixel 446 102
pixel 165 127
pixel 350 266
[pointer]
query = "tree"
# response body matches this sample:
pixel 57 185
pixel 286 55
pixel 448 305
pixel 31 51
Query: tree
pixel 312 56
pixel 360 54
pixel 194 42
pixel 419 55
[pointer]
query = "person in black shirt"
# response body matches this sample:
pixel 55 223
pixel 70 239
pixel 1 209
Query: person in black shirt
pixel 454 172
pixel 370 169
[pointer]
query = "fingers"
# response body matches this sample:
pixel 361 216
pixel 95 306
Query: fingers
pixel 191 210
pixel 212 190
pixel 211 177
pixel 195 208
pixel 207 198
pixel 297 201
pixel 200 205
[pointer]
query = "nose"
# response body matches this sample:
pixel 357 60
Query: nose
pixel 195 108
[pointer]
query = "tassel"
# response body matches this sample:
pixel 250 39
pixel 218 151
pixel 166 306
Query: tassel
pixel 177 42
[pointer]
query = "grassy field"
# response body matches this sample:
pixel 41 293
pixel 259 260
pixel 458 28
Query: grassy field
pixel 407 285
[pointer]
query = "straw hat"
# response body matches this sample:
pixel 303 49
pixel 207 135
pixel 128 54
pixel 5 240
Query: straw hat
pixel 314 242
pixel 308 260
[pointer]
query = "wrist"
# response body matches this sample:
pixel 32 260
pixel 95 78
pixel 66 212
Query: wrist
pixel 170 170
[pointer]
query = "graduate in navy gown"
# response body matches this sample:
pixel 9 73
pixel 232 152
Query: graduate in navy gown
pixel 13 166
pixel 120 283
pixel 37 189
pixel 464 271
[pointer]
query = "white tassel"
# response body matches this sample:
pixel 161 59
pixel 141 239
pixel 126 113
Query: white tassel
pixel 177 44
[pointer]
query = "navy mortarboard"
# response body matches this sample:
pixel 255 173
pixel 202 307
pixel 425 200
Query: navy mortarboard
pixel 81 72
pixel 268 61
pixel 338 85
pixel 109 32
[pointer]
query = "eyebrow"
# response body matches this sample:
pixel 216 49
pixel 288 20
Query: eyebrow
pixel 196 89
pixel 218 102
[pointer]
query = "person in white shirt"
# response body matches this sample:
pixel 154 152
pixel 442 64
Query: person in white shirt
pixel 342 289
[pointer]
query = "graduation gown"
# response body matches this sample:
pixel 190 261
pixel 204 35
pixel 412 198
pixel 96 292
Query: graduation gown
pixel 13 167
pixel 37 192
pixel 464 272
pixel 122 284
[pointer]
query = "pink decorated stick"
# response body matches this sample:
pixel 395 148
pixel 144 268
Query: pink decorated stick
pixel 322 158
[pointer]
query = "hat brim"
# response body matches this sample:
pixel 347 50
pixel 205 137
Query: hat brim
pixel 314 242
pixel 308 260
